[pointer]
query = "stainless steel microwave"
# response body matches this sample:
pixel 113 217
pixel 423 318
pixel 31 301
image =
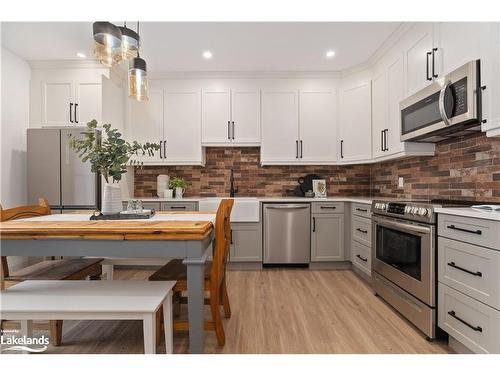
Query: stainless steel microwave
pixel 449 107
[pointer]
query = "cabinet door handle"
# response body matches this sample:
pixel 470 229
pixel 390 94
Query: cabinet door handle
pixel 328 207
pixel 360 257
pixel 454 315
pixel 427 66
pixel 70 112
pixel 477 231
pixel 382 140
pixel 385 140
pixel 229 130
pixel 164 149
pixel 433 63
pixel 76 106
pixel 296 149
pixel 361 209
pixel 233 128
pixel 161 157
pixel 301 148
pixel 342 149
pixel 231 236
pixel 178 207
pixel 314 224
pixel 475 273
pixel 361 230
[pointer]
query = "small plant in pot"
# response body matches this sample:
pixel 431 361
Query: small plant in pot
pixel 109 156
pixel 179 185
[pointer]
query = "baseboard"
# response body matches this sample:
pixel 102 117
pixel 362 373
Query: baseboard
pixel 346 265
pixel 244 266
pixel 362 275
pixel 458 347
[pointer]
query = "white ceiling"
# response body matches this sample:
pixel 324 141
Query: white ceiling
pixel 236 46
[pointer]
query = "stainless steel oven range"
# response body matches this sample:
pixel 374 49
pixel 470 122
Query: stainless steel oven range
pixel 404 260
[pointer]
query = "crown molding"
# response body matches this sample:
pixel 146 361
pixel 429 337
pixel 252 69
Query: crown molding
pixel 390 42
pixel 245 74
pixel 66 64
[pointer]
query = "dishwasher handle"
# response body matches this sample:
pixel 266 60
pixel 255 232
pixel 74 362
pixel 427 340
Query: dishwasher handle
pixel 286 206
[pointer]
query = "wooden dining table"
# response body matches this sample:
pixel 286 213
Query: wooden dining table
pixel 186 236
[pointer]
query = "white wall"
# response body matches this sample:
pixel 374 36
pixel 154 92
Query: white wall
pixel 15 101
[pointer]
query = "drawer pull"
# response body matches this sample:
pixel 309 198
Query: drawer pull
pixel 465 230
pixel 362 209
pixel 178 207
pixel 477 273
pixel 361 230
pixel 329 207
pixel 454 315
pixel 360 257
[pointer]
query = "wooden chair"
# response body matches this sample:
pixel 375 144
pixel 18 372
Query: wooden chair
pixel 59 269
pixel 215 277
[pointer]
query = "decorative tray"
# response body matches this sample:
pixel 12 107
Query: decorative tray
pixel 124 215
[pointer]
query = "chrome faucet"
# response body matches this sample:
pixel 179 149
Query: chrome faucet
pixel 233 190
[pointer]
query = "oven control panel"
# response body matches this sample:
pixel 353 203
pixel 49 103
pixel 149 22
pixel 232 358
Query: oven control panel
pixel 417 211
pixel 396 208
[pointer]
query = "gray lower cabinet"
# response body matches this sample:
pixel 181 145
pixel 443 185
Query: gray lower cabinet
pixel 327 237
pixel 179 206
pixel 246 242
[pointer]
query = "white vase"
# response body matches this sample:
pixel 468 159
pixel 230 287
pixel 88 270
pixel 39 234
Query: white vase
pixel 112 199
pixel 179 192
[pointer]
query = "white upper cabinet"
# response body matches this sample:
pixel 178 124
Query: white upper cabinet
pixel 379 114
pixel 280 128
pixel 418 55
pixel 355 122
pixel 66 97
pixel 145 124
pixel 182 127
pixel 317 124
pixel 216 116
pixel 231 117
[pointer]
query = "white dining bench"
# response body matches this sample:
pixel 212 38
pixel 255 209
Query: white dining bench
pixel 91 300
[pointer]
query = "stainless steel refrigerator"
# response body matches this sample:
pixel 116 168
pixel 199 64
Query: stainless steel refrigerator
pixel 56 172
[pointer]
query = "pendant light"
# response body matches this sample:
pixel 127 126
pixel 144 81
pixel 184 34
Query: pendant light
pixel 107 43
pixel 130 42
pixel 137 77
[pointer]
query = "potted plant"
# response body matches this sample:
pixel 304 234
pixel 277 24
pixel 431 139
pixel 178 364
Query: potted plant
pixel 179 185
pixel 109 156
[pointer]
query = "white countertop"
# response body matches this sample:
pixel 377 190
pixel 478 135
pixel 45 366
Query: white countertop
pixel 469 212
pixel 363 200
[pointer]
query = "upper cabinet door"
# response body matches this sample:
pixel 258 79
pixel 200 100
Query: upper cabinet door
pixel 418 54
pixel 355 123
pixel 317 119
pixel 245 117
pixel 216 116
pixel 395 94
pixel 88 102
pixel 183 127
pixel 279 127
pixel 58 103
pixel 145 123
pixel 379 110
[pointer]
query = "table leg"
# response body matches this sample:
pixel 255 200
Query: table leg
pixel 167 323
pixel 149 328
pixel 196 303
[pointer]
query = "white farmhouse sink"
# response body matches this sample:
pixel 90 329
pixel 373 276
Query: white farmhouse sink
pixel 244 209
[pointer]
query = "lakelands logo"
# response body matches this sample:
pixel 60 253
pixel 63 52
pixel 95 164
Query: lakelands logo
pixel 24 343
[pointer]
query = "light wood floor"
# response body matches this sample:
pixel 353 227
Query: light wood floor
pixel 275 311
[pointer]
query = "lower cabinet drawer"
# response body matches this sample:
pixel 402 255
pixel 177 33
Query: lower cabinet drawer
pixel 470 269
pixel 361 230
pixel 469 321
pixel 361 257
pixel 361 209
pixel 181 206
pixel 472 230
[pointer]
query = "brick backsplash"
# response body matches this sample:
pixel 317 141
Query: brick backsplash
pixel 463 168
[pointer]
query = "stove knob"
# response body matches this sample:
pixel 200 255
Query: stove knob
pixel 414 210
pixel 383 206
pixel 422 211
pixel 407 210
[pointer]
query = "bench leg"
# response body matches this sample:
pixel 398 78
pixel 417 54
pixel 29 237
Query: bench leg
pixel 168 324
pixel 27 330
pixel 108 270
pixel 149 328
pixel 56 332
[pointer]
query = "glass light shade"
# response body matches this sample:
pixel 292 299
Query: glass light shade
pixel 130 43
pixel 107 43
pixel 138 80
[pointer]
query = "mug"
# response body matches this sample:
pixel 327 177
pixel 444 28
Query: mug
pixel 168 193
pixel 179 192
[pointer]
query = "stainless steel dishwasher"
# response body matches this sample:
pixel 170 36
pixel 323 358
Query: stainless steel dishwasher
pixel 287 233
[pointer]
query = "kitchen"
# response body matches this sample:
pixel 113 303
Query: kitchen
pixel 361 169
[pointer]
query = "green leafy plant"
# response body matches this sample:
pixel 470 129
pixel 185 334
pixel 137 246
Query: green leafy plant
pixel 110 154
pixel 178 182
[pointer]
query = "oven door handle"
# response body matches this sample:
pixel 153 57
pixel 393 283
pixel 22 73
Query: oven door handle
pixel 442 109
pixel 398 225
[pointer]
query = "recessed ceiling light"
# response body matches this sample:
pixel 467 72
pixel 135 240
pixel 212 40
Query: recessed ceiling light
pixel 207 54
pixel 330 54
pixel 81 55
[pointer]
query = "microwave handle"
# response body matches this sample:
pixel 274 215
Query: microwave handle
pixel 442 110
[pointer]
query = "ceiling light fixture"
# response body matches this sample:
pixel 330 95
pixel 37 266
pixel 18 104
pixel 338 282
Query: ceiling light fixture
pixel 107 43
pixel 138 77
pixel 207 55
pixel 330 54
pixel 130 42
pixel 81 55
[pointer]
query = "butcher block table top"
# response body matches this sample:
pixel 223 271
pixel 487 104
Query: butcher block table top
pixel 163 226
